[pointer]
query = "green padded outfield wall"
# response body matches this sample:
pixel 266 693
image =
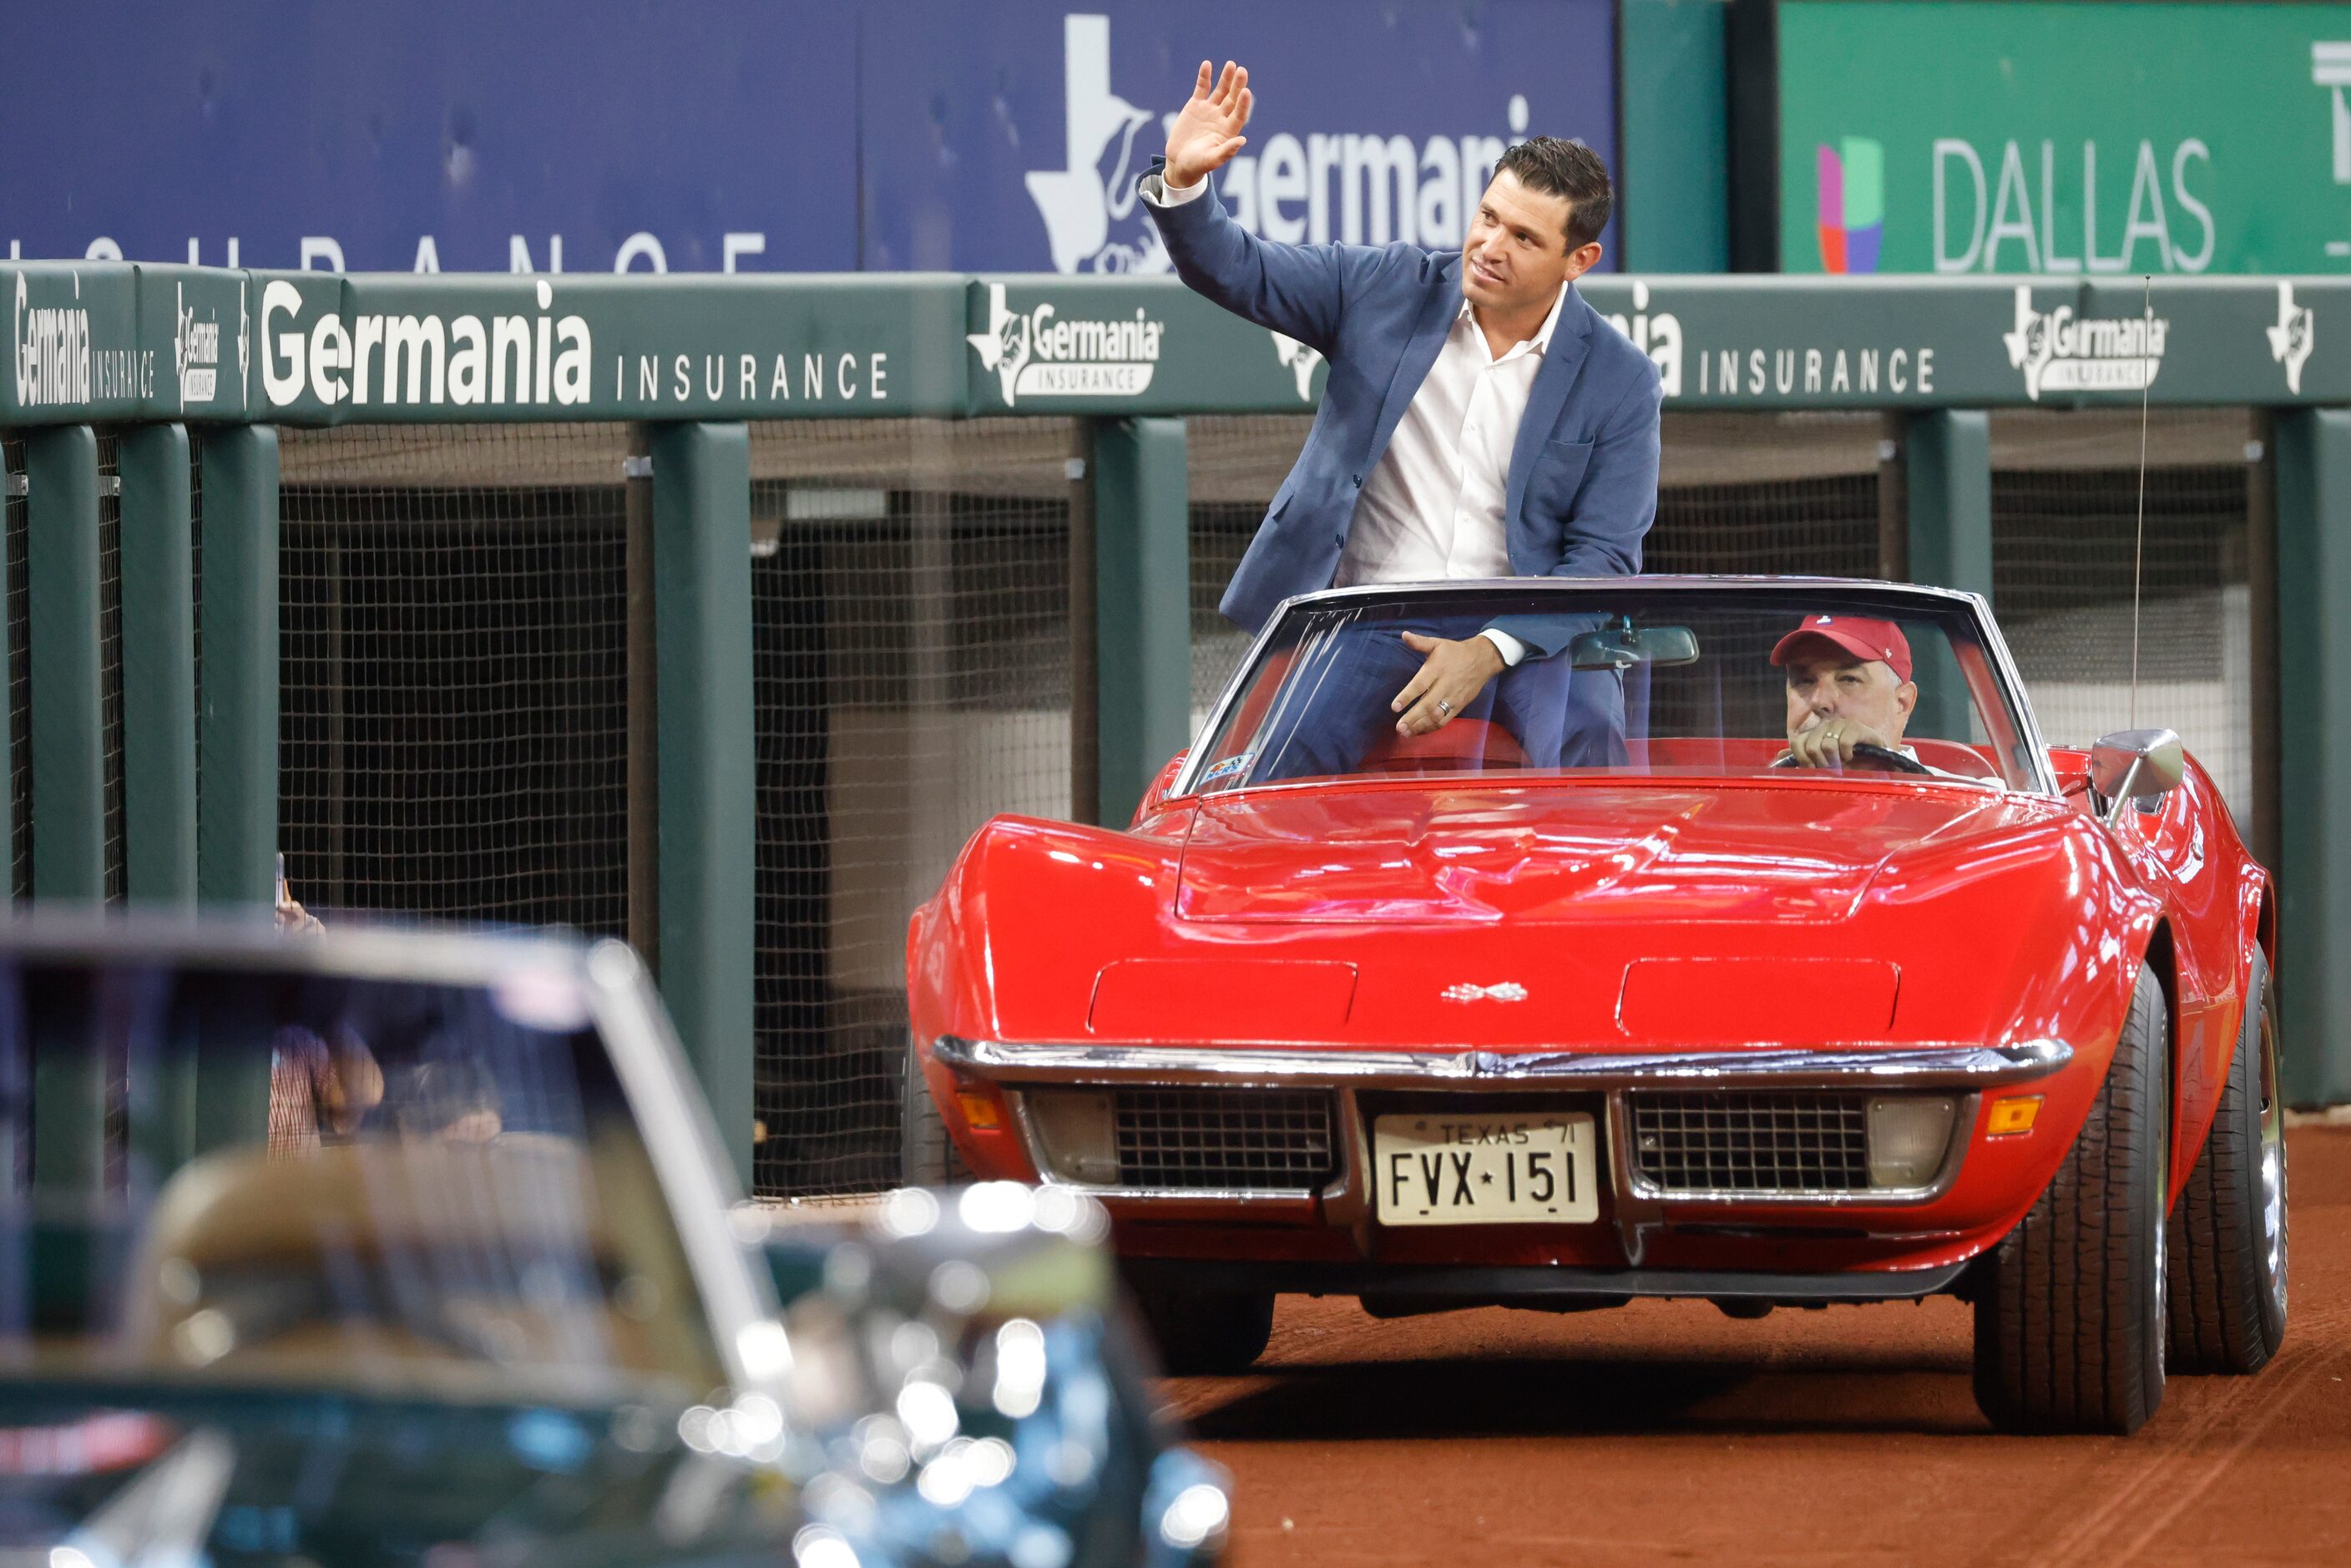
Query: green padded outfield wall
pixel 112 343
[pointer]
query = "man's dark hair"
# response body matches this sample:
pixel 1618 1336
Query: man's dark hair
pixel 1568 169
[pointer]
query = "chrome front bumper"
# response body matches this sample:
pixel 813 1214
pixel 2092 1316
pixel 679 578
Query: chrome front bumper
pixel 1966 1070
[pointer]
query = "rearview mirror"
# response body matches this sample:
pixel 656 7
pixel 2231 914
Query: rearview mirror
pixel 1621 647
pixel 2135 765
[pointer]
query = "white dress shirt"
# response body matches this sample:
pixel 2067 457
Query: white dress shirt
pixel 1433 509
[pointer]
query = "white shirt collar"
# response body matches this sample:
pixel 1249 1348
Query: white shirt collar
pixel 1541 341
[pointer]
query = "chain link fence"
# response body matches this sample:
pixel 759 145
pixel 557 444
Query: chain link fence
pixel 20 679
pixel 1770 493
pixel 2067 544
pixel 453 728
pixel 109 655
pixel 911 678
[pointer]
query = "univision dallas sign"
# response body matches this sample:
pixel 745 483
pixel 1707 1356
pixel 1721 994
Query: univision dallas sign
pixel 2052 138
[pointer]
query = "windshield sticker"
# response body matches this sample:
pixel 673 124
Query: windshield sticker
pixel 1237 763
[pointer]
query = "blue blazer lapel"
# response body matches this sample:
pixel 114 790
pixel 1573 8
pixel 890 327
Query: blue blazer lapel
pixel 1570 341
pixel 1437 309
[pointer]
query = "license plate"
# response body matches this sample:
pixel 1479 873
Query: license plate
pixel 1469 1169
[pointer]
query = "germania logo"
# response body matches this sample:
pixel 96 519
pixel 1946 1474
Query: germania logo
pixel 2291 338
pixel 1851 204
pixel 1315 187
pixel 1657 333
pixel 392 359
pixel 52 351
pixel 1036 354
pixel 196 352
pixel 2059 353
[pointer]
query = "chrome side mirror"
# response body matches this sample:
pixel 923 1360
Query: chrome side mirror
pixel 2135 765
pixel 1157 792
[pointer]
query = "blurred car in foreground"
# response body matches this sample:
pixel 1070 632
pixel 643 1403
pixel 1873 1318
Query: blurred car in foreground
pixel 408 1247
pixel 1747 946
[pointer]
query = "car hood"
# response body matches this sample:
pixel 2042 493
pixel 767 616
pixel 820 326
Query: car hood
pixel 125 1475
pixel 1585 852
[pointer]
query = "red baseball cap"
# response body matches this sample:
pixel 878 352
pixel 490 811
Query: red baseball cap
pixel 1862 637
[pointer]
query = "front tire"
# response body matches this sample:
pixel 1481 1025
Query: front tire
pixel 1208 1333
pixel 927 1155
pixel 2070 1317
pixel 2229 1232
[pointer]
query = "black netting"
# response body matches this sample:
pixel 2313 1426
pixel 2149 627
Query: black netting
pixel 20 684
pixel 196 584
pixel 1236 463
pixel 910 623
pixel 2065 491
pixel 1769 493
pixel 109 655
pixel 452 729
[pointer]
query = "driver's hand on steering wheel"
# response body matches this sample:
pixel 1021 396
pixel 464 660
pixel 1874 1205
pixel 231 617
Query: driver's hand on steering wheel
pixel 1829 742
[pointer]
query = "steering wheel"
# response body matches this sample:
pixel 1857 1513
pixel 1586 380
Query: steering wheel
pixel 1879 756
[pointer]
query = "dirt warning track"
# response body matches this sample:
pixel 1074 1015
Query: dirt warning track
pixel 1663 1430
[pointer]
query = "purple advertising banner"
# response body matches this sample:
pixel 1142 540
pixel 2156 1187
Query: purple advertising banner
pixel 735 135
pixel 1014 148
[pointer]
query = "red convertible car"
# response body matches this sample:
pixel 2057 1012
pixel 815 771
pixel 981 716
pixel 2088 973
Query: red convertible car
pixel 1744 941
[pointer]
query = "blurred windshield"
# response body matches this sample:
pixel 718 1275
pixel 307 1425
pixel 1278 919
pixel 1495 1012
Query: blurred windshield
pixel 1643 680
pixel 237 1175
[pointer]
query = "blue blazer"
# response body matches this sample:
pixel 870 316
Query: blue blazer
pixel 1582 486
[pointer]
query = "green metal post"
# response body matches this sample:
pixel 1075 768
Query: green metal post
pixel 1142 606
pixel 237 751
pixel 159 668
pixel 707 786
pixel 1673 154
pixel 61 607
pixel 68 776
pixel 237 711
pixel 2314 620
pixel 1948 491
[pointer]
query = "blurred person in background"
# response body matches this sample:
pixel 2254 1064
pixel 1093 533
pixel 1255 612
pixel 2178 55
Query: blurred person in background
pixel 1479 420
pixel 450 1098
pixel 318 1089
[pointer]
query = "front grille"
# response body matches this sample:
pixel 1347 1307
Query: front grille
pixel 1237 1140
pixel 1759 1143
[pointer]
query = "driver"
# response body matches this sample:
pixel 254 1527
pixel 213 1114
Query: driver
pixel 1848 685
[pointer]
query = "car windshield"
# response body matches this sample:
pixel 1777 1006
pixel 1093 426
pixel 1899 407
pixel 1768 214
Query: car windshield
pixel 228 1175
pixel 1645 679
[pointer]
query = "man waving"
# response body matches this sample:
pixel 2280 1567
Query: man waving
pixel 1481 420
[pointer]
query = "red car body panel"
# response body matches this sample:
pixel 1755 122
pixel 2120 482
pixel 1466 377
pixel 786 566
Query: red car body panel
pixel 1857 912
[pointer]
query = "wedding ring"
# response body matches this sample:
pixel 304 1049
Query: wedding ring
pixel 1445 707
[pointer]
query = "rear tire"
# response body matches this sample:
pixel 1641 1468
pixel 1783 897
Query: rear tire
pixel 1209 1334
pixel 2229 1232
pixel 927 1155
pixel 2070 1317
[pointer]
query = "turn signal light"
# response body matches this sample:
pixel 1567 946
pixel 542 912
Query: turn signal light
pixel 980 1110
pixel 2012 1116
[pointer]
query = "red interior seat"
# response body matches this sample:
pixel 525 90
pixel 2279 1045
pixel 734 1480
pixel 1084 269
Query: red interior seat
pixel 1465 745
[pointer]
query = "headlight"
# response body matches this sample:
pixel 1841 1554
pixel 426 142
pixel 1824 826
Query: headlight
pixel 1075 1128
pixel 1907 1137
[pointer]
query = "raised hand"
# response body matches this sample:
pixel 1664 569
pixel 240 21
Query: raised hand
pixel 1207 130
